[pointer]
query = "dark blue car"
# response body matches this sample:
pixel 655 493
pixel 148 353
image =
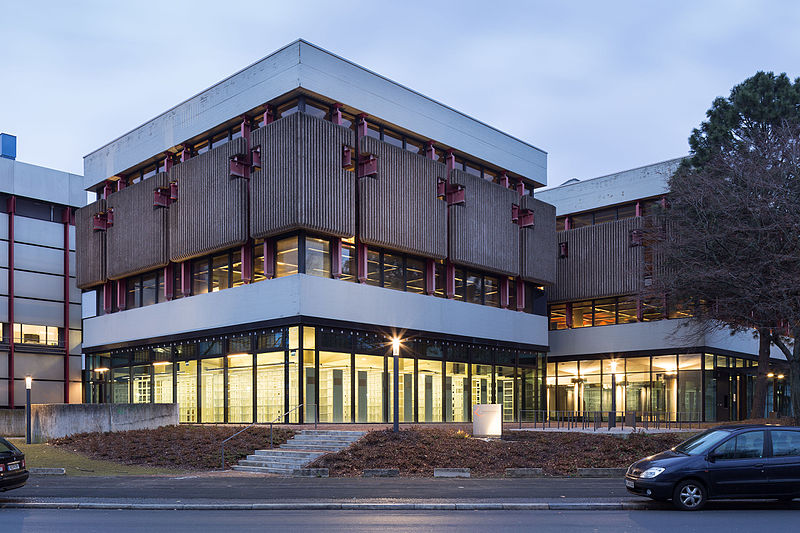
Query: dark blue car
pixel 12 466
pixel 745 461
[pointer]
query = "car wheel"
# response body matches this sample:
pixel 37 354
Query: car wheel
pixel 689 495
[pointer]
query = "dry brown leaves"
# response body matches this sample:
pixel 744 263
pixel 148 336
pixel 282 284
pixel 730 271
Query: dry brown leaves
pixel 180 447
pixel 417 451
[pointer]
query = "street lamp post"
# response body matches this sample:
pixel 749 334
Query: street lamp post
pixel 396 379
pixel 28 384
pixel 612 416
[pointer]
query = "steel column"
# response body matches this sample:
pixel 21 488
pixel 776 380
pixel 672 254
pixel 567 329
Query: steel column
pixel 12 207
pixel 66 220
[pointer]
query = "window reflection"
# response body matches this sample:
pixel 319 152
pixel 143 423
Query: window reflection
pixel 286 257
pixel 318 257
pixel 200 276
pixel 415 275
pixel 393 277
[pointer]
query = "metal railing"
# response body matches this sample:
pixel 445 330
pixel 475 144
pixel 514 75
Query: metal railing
pixel 595 420
pixel 271 424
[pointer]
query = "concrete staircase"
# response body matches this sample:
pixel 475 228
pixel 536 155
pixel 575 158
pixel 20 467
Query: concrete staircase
pixel 298 451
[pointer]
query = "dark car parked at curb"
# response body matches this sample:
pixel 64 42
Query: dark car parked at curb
pixel 726 462
pixel 13 474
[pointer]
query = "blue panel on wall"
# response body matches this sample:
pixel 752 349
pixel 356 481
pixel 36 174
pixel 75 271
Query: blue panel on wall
pixel 8 146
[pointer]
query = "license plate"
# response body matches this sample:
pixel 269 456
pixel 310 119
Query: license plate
pixel 629 483
pixel 13 467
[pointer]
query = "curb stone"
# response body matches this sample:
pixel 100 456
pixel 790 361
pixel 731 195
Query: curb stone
pixel 352 506
pixel 47 471
pixel 451 472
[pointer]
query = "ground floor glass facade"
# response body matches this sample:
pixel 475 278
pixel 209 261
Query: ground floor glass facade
pixel 333 375
pixel 685 387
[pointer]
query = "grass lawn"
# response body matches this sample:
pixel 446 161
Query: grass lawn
pixel 49 456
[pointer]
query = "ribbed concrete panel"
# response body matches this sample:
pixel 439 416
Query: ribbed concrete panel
pixel 137 241
pixel 538 244
pixel 301 184
pixel 90 247
pixel 399 209
pixel 211 211
pixel 600 262
pixel 482 234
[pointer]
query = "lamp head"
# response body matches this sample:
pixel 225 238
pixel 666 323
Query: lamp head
pixel 396 345
pixel 28 382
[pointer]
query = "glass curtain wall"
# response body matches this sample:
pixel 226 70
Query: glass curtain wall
pixel 262 375
pixel 335 402
pixel 213 386
pixel 270 380
pixel 369 380
pixel 504 379
pixel 187 391
pixel 240 388
pixel 162 382
pixel 141 383
pixel 456 392
pixel 429 391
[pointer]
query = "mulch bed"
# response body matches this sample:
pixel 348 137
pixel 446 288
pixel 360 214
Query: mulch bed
pixel 417 451
pixel 182 447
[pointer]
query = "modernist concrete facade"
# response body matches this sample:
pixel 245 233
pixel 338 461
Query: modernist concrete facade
pixel 39 301
pixel 255 249
pixel 601 330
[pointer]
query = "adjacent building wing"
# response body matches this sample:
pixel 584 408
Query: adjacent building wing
pixel 600 260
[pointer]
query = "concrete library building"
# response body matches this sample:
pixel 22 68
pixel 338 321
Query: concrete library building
pixel 253 252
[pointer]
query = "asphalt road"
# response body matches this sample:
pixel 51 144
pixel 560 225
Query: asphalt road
pixel 259 488
pixel 87 521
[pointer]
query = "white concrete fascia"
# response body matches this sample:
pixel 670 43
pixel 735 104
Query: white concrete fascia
pixel 41 183
pixel 304 65
pixel 310 296
pixel 677 335
pixel 617 188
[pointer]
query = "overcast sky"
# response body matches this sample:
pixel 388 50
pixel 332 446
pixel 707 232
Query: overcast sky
pixel 601 86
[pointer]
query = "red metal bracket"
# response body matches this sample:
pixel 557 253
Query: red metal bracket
pixel 441 188
pixel 430 151
pixel 336 114
pixel 103 220
pixel 269 115
pixel 367 166
pixel 456 194
pixel 161 197
pixel 255 157
pixel 336 257
pixel 563 250
pixel 514 213
pixel 636 236
pixel 504 181
pixel 122 293
pixel 347 158
pixel 361 126
pixel 240 166
pixel 173 191
pixel 520 188
pixel 525 218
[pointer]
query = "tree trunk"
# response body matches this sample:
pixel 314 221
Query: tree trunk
pixel 794 374
pixel 760 389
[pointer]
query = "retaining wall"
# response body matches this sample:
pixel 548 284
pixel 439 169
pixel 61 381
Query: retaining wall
pixel 50 421
pixel 12 422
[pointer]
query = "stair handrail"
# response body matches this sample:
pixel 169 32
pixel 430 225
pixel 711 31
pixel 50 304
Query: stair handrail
pixel 285 414
pixel 282 415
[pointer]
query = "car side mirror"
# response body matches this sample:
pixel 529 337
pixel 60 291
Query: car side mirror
pixel 711 457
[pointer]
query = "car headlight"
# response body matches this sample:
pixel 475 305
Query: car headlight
pixel 651 472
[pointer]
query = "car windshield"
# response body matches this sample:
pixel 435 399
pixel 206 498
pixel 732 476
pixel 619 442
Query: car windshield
pixel 699 444
pixel 6 447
